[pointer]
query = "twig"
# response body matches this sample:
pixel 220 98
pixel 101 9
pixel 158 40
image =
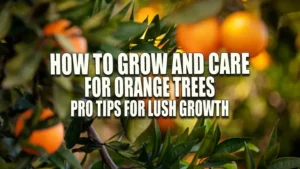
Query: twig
pixel 108 146
pixel 103 151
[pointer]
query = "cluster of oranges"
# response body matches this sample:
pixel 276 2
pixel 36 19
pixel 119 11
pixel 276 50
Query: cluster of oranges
pixel 240 32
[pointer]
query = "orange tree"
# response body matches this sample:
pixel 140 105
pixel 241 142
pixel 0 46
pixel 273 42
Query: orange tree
pixel 34 105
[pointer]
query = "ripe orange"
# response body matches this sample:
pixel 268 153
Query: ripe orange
pixel 201 37
pixel 149 11
pixel 49 138
pixel 73 33
pixel 165 124
pixel 243 32
pixel 261 61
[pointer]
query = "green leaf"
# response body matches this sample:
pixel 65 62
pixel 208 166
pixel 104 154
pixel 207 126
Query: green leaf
pixel 168 159
pixel 66 5
pixel 73 132
pixel 135 127
pixel 85 149
pixel 181 150
pixel 199 123
pixel 231 165
pixel 249 158
pixel 22 67
pixel 184 163
pixel 79 11
pixel 207 146
pixel 271 154
pixel 209 143
pixel 144 47
pixel 195 11
pixel 54 158
pixel 69 157
pixel 181 138
pixel 223 165
pixel 197 133
pixel 124 11
pixel 22 104
pixel 97 165
pixel 153 31
pixel 112 49
pixel 6 21
pixel 169 34
pixel 61 100
pixel 285 163
pixel 128 30
pixel 110 8
pixel 49 122
pixel 176 165
pixel 157 140
pixel 223 157
pixel 251 147
pixel 94 21
pixel 85 141
pixel 119 145
pixel 86 124
pixel 143 156
pixel 97 6
pixel 218 134
pixel 273 136
pixel 262 163
pixel 166 143
pixel 231 145
pixel 208 125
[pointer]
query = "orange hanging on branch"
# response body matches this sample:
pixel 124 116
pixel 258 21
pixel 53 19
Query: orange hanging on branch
pixel 48 138
pixel 262 61
pixel 148 11
pixel 242 32
pixel 201 37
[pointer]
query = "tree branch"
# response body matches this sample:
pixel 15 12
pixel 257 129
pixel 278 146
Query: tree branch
pixel 103 151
